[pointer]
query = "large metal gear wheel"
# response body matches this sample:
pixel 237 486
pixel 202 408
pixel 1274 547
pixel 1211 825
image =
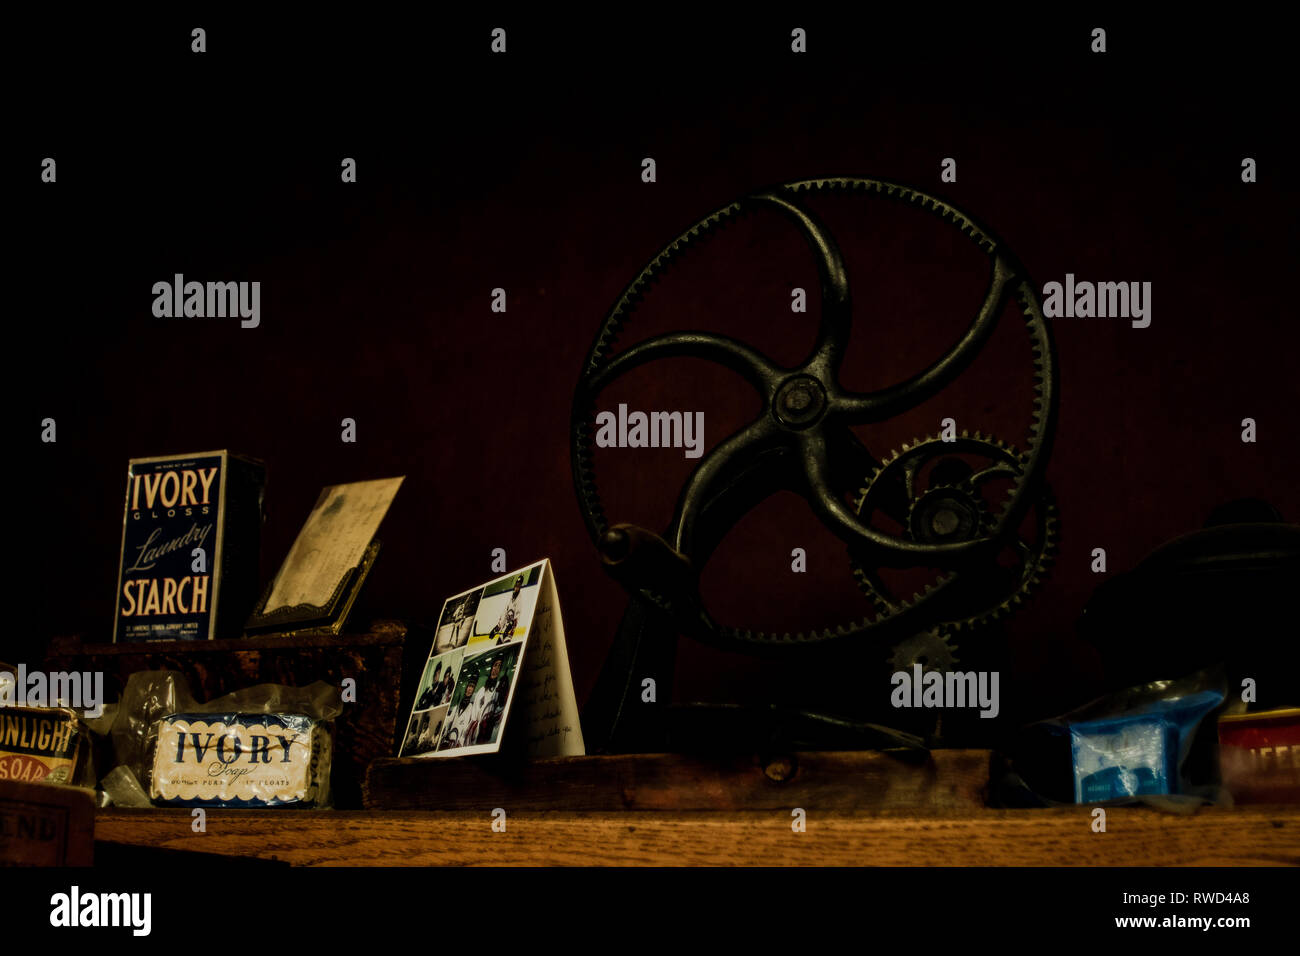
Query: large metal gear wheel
pixel 953 507
pixel 802 440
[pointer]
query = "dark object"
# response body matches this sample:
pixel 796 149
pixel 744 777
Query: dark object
pixel 802 442
pixel 1225 594
pixel 364 731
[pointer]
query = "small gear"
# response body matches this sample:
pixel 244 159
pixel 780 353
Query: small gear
pixel 953 508
pixel 931 649
pixel 948 513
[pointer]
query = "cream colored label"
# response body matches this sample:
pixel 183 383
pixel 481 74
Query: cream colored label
pixel 211 760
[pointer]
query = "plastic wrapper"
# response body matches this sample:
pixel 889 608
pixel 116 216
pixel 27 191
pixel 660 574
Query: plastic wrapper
pixel 1138 752
pixel 240 760
pixel 122 789
pixel 263 746
pixel 1139 745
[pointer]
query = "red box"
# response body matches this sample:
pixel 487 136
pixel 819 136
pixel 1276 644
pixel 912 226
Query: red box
pixel 1259 755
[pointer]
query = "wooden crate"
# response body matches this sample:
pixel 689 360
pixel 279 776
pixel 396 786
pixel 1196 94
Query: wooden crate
pixel 44 824
pixel 366 730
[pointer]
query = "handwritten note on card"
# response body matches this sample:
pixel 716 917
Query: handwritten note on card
pixel 551 713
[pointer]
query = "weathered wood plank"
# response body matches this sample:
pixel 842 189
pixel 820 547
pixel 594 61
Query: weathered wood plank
pixel 380 633
pixel 947 779
pixel 1059 837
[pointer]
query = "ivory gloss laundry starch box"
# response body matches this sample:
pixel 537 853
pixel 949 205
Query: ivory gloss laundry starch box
pixel 190 536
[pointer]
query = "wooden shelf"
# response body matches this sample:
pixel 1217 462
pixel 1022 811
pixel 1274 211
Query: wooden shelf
pixel 1255 836
pixel 829 781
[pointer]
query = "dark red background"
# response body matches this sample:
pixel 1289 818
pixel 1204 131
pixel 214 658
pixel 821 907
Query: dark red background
pixel 523 172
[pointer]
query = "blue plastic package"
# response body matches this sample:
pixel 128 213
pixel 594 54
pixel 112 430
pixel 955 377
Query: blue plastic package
pixel 1139 752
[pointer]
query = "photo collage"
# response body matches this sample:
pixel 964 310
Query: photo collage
pixel 469 678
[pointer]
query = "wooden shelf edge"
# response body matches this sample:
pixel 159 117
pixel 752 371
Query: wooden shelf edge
pixel 1248 836
pixel 381 633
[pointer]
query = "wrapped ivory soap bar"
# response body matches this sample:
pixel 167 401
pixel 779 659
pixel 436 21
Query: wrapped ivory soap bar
pixel 241 760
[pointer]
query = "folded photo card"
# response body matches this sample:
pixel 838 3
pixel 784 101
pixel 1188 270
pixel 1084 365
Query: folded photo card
pixel 498 658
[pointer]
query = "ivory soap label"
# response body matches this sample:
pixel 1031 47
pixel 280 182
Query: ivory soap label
pixel 243 760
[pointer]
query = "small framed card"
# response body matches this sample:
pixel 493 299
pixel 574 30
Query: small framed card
pixel 498 662
pixel 319 580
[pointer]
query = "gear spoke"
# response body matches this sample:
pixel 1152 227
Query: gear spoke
pixel 910 467
pixel 837 311
pixel 827 504
pixel 999 470
pixel 756 367
pixel 721 471
pixel 862 409
pixel 851 460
